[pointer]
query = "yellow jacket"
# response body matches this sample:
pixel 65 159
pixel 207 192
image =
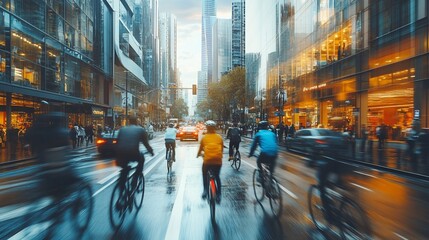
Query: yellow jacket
pixel 212 145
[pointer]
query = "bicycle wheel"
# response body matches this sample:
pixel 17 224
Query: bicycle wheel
pixel 169 160
pixel 258 187
pixel 237 160
pixel 316 208
pixel 354 222
pixel 117 206
pixel 275 198
pixel 139 192
pixel 212 199
pixel 82 207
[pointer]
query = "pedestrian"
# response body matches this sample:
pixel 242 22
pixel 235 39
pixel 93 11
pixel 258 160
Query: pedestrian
pixel 12 141
pixel 73 136
pixel 364 136
pixel 292 130
pixel 281 129
pixel 80 135
pixel 89 134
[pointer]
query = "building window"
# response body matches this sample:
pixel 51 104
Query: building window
pixel 33 11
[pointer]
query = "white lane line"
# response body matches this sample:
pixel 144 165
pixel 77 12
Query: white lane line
pixel 365 174
pixel 6 214
pixel 18 184
pixel 32 231
pixel 361 187
pixel 173 229
pixel 114 180
pixel 281 187
pixel 400 236
pixel 104 180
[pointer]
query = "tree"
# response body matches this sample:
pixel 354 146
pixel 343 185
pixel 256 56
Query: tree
pixel 227 94
pixel 179 108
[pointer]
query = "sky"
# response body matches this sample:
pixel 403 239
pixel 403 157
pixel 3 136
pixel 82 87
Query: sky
pixel 188 16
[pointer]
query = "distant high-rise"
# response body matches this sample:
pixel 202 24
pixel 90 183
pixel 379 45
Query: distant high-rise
pixel 222 48
pixel 208 20
pixel 238 33
pixel 168 52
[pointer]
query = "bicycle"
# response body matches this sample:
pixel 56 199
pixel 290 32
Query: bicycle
pixel 345 215
pixel 236 161
pixel 266 185
pixel 124 201
pixel 169 158
pixel 76 200
pixel 212 194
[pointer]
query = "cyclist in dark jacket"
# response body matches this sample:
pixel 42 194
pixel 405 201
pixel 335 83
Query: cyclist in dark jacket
pixel 234 137
pixel 267 141
pixel 128 148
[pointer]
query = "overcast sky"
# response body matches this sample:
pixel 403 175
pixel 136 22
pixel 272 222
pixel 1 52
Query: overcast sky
pixel 188 15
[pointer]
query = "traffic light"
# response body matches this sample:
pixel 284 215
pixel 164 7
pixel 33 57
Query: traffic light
pixel 194 89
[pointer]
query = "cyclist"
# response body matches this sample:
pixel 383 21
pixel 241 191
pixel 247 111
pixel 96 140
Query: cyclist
pixel 49 139
pixel 212 146
pixel 234 137
pixel 128 149
pixel 267 141
pixel 329 173
pixel 170 139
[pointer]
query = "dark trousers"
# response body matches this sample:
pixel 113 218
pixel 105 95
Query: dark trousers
pixel 233 145
pixel 270 160
pixel 216 171
pixel 171 143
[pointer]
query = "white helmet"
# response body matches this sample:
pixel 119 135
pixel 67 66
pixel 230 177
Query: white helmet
pixel 210 123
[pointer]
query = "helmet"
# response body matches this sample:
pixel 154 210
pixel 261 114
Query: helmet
pixel 263 125
pixel 171 125
pixel 210 123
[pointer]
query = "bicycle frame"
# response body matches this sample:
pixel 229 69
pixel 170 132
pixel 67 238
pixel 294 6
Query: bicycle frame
pixel 212 194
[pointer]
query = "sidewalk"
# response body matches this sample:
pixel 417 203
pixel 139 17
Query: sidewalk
pixel 394 156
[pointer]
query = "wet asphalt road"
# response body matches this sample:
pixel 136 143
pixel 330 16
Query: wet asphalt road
pixel 396 206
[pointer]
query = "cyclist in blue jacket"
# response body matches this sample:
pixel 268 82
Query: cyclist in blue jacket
pixel 267 141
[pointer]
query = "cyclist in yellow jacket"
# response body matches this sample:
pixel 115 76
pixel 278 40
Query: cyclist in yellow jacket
pixel 212 146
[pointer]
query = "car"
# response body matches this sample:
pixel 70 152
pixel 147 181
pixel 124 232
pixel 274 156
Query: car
pixel 106 143
pixel 317 142
pixel 188 132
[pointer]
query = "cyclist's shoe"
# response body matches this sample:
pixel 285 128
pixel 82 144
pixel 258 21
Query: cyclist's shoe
pixel 174 159
pixel 204 195
pixel 218 198
pixel 230 158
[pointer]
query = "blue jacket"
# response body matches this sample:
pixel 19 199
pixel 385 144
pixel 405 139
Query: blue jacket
pixel 267 141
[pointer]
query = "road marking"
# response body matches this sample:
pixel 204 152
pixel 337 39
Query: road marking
pixel 32 231
pixel 281 187
pixel 366 174
pixel 104 180
pixel 7 214
pixel 362 187
pixel 173 229
pixel 400 236
pixel 145 172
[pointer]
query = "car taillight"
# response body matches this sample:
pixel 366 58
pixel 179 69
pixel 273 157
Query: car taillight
pixel 101 141
pixel 319 141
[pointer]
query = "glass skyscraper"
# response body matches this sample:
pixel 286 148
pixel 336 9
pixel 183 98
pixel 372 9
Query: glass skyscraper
pixel 343 64
pixel 48 54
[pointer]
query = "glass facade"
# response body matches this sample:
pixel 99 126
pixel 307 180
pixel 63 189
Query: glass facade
pixel 342 63
pixel 47 53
